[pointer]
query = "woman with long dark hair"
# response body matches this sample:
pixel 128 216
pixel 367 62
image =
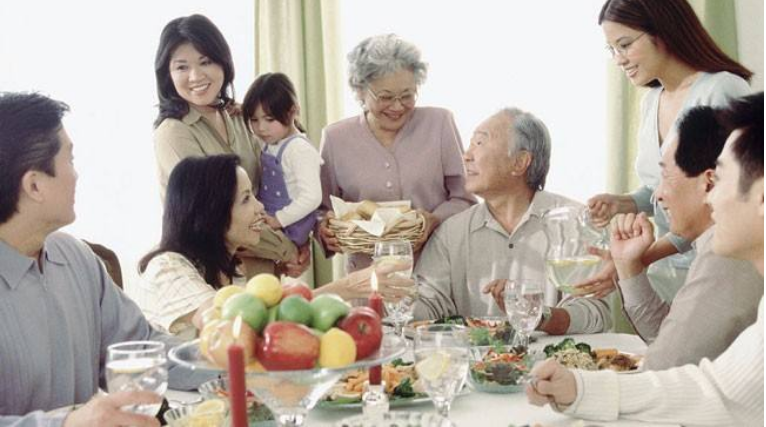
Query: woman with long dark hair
pixel 661 44
pixel 210 215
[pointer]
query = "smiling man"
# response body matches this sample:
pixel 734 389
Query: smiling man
pixel 459 270
pixel 687 167
pixel 727 391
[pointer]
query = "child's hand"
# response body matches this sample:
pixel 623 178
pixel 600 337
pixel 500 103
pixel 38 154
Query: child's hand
pixel 273 222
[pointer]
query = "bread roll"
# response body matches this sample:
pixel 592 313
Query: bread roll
pixel 350 216
pixel 367 208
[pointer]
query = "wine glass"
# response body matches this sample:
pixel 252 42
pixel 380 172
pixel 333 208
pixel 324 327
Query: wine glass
pixel 137 365
pixel 441 355
pixel 524 307
pixel 397 252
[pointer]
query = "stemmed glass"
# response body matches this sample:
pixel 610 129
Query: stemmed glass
pixel 397 252
pixel 137 365
pixel 524 307
pixel 441 355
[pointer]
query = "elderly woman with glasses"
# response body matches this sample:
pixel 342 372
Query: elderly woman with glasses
pixel 393 150
pixel 661 44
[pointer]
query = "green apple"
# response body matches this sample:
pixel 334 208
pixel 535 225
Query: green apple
pixel 250 307
pixel 327 309
pixel 273 314
pixel 296 309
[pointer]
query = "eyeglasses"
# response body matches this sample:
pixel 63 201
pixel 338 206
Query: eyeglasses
pixel 623 47
pixel 387 99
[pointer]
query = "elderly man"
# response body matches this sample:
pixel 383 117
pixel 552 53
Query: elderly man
pixel 729 390
pixel 688 166
pixel 59 310
pixel 506 164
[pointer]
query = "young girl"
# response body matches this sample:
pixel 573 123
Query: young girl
pixel 290 188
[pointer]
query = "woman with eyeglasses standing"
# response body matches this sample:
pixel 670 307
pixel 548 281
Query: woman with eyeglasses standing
pixel 661 44
pixel 393 150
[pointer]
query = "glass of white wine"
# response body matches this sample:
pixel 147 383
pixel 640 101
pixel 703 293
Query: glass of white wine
pixel 137 365
pixel 442 356
pixel 524 307
pixel 398 253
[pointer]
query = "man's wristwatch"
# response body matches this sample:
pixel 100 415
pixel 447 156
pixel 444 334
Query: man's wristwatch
pixel 547 314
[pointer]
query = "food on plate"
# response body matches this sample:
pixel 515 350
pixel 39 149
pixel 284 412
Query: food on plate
pixel 580 356
pixel 400 377
pixel 482 330
pixel 492 367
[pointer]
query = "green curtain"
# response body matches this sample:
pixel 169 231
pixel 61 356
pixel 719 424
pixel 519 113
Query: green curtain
pixel 623 101
pixel 301 38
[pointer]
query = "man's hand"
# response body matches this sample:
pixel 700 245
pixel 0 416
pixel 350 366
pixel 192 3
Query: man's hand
pixel 553 384
pixel 632 235
pixel 603 282
pixel 497 289
pixel 327 236
pixel 104 411
pixel 298 265
pixel 603 207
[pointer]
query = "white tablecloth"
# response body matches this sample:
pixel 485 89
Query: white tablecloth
pixel 492 410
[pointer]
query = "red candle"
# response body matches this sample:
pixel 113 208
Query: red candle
pixel 375 302
pixel 237 386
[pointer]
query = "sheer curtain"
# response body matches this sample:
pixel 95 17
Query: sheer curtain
pixel 99 58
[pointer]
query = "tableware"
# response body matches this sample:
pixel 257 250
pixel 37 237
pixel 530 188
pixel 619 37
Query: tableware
pixel 290 394
pixel 397 419
pixel 394 402
pixel 398 252
pixel 218 389
pixel 198 415
pixel 500 369
pixel 137 365
pixel 441 355
pixel 524 306
pixel 481 330
pixel 570 234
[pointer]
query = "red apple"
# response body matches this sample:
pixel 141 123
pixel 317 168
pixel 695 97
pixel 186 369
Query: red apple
pixel 297 289
pixel 288 346
pixel 364 326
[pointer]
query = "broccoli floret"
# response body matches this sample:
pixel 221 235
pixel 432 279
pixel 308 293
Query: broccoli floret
pixel 583 347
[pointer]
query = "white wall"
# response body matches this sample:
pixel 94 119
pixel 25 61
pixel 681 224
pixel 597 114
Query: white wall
pixel 98 57
pixel 750 38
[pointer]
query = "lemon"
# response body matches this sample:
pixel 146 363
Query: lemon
pixel 433 366
pixel 225 293
pixel 209 413
pixel 267 287
pixel 336 349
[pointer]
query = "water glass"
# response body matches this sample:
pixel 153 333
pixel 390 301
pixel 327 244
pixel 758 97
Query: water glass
pixel 524 307
pixel 137 365
pixel 442 356
pixel 397 252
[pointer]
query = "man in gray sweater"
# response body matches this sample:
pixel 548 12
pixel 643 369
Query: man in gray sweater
pixel 704 319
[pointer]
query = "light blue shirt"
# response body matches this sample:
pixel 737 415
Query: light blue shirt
pixel 56 326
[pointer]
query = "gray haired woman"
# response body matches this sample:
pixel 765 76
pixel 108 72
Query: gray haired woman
pixel 393 150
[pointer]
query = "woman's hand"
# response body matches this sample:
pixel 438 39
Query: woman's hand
pixel 327 236
pixel 603 283
pixel 298 265
pixel 104 411
pixel 552 384
pixel 272 222
pixel 357 284
pixel 431 222
pixel 603 207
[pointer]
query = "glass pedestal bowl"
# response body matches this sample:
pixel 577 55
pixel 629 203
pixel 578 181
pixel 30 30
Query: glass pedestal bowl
pixel 290 394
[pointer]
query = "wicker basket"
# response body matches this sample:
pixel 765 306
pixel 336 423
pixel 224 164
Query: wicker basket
pixel 352 239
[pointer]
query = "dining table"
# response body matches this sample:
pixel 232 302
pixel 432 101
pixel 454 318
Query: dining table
pixel 478 409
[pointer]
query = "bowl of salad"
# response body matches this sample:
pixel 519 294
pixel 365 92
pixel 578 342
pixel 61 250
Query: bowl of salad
pixel 499 369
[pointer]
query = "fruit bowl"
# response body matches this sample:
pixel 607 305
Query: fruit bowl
pixel 289 394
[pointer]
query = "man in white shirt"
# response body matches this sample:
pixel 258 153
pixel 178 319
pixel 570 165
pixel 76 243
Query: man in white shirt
pixel 468 258
pixel 728 390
